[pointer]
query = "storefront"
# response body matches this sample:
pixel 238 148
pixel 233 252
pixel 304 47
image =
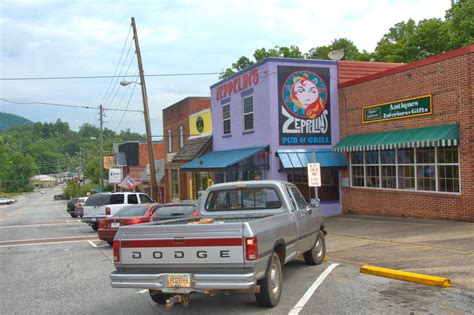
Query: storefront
pixel 408 136
pixel 273 118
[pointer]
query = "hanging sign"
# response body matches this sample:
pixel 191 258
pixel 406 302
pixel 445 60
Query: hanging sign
pixel 398 109
pixel 304 106
pixel 314 175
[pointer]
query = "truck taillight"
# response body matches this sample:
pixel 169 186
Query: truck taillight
pixel 195 213
pixel 116 251
pixel 251 248
pixel 107 211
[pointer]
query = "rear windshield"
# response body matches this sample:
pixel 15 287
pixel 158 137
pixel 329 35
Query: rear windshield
pixel 132 211
pixel 243 199
pixel 98 200
pixel 175 210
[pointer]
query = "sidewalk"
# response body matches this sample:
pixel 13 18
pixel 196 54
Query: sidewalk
pixel 439 248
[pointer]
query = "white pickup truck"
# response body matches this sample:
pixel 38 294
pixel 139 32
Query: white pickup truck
pixel 104 205
pixel 245 233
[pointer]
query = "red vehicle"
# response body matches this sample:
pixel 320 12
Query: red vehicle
pixel 176 210
pixel 133 214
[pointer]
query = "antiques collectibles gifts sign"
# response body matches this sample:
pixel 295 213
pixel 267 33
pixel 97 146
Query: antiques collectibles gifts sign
pixel 304 106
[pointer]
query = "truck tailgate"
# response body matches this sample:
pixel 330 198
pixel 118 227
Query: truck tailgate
pixel 181 245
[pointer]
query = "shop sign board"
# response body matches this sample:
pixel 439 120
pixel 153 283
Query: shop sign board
pixel 115 175
pixel 406 108
pixel 304 105
pixel 314 175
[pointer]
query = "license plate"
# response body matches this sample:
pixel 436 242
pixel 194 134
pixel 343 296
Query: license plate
pixel 179 281
pixel 115 224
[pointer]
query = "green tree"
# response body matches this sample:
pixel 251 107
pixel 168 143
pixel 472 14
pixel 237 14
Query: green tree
pixel 460 23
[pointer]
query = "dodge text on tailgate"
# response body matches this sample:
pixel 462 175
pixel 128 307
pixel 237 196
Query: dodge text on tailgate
pixel 245 233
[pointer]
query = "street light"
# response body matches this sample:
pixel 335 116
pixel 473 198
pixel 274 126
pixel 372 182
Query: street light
pixel 125 82
pixel 151 158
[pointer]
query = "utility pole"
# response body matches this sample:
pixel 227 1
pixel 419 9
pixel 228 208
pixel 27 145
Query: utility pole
pixel 151 158
pixel 101 179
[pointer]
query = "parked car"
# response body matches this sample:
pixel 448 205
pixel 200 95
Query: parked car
pixel 129 215
pixel 60 197
pixel 7 201
pixel 105 205
pixel 175 210
pixel 79 207
pixel 71 207
pixel 245 233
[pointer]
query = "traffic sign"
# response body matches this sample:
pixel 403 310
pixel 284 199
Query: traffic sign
pixel 314 175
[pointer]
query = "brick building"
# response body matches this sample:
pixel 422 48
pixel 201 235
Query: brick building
pixel 177 134
pixel 409 137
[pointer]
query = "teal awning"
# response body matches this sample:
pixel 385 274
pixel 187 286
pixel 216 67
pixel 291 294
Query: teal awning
pixel 299 158
pixel 220 160
pixel 445 135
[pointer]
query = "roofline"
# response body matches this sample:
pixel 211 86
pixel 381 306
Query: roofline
pixel 273 59
pixel 185 99
pixel 410 66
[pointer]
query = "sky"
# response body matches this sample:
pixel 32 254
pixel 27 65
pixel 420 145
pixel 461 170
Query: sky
pixel 91 38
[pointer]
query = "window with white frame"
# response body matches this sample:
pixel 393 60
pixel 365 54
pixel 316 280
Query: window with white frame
pixel 226 118
pixel 424 169
pixel 170 141
pixel 248 113
pixel 181 136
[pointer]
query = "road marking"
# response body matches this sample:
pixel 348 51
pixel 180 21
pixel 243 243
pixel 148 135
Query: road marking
pixel 142 291
pixel 305 298
pixel 39 224
pixel 95 245
pixel 46 241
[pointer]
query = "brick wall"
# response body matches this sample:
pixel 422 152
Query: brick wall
pixel 449 78
pixel 158 152
pixel 175 116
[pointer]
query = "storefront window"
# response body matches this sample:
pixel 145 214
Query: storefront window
pixel 425 169
pixel 448 169
pixel 174 184
pixel 388 169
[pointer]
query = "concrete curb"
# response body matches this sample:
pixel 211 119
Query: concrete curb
pixel 406 276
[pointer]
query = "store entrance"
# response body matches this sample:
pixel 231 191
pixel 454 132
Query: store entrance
pixel 328 192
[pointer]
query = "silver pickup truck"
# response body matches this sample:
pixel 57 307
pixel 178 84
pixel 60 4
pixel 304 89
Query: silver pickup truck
pixel 245 233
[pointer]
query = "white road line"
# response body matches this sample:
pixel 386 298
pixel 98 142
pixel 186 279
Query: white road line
pixel 309 293
pixel 142 291
pixel 41 224
pixel 36 244
pixel 97 246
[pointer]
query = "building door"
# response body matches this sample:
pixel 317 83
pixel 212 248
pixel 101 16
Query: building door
pixel 328 192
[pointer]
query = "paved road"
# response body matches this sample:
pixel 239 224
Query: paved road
pixel 53 264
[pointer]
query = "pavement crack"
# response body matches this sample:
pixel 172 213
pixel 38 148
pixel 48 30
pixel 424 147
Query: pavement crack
pixel 71 271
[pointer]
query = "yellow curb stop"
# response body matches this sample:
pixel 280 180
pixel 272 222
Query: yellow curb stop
pixel 407 276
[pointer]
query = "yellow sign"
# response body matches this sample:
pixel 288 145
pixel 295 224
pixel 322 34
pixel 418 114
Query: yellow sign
pixel 200 124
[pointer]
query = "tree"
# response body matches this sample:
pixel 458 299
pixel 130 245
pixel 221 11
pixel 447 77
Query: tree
pixel 460 23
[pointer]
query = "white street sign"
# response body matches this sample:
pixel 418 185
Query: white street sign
pixel 115 175
pixel 314 175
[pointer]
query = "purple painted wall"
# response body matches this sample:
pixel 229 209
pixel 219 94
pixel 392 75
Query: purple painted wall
pixel 266 94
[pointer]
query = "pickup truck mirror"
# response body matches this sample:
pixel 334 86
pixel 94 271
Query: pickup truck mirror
pixel 314 202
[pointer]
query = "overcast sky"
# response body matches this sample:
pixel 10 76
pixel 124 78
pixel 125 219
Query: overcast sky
pixel 86 38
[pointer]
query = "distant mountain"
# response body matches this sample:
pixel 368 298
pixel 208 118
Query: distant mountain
pixel 8 121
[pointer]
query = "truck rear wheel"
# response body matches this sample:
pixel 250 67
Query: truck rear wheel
pixel 315 256
pixel 158 297
pixel 95 226
pixel 271 285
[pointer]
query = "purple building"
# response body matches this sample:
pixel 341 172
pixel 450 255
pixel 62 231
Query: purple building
pixel 272 119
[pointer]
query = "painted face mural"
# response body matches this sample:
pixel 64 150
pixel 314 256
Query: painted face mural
pixel 304 94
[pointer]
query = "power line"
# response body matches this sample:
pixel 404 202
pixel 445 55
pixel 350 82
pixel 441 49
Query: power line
pixel 24 102
pixel 116 67
pixel 107 76
pixel 126 107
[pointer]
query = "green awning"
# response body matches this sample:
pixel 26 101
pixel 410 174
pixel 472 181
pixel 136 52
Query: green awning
pixel 445 135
